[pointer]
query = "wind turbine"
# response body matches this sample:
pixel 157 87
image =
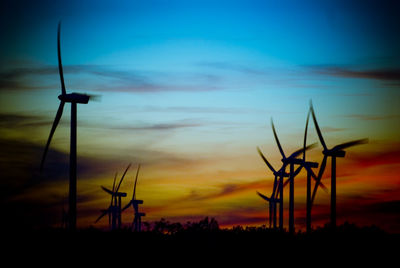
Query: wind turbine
pixel 333 153
pixel 137 220
pixel 74 99
pixel 272 207
pixel 310 173
pixel 291 161
pixel 278 174
pixel 110 210
pixel 115 209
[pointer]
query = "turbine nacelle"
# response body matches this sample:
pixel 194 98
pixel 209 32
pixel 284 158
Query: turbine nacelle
pixel 281 173
pixel 137 202
pixel 74 98
pixel 292 161
pixel 308 164
pixel 266 198
pixel 334 153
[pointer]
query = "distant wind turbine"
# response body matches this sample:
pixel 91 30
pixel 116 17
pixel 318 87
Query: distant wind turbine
pixel 114 209
pixel 273 200
pixel 272 207
pixel 137 220
pixel 110 210
pixel 74 99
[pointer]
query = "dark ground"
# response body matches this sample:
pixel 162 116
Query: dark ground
pixel 202 244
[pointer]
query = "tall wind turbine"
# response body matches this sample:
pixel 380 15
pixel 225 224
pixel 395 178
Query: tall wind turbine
pixel 137 220
pixel 333 153
pixel 74 99
pixel 291 161
pixel 310 173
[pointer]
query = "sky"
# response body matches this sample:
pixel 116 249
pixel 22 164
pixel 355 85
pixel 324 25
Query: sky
pixel 187 89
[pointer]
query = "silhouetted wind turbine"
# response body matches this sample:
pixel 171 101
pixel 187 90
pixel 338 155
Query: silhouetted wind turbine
pixel 336 151
pixel 137 220
pixel 116 208
pixel 272 207
pixel 278 174
pixel 110 210
pixel 291 161
pixel 74 99
pixel 309 166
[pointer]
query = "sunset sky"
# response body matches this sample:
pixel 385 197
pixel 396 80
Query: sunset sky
pixel 187 89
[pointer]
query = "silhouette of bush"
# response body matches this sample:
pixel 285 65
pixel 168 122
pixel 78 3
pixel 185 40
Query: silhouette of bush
pixel 206 237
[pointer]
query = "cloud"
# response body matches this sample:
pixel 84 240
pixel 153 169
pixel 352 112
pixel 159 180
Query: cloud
pixel 372 117
pixel 201 110
pixel 13 120
pixel 388 75
pixel 225 190
pixel 393 75
pixel 27 77
pixel 157 127
pixel 20 162
pixel 101 78
pixel 371 159
pixel 232 67
pixel 332 129
pixel 33 198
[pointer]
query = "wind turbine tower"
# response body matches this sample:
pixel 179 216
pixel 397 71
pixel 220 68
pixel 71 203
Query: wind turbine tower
pixel 74 99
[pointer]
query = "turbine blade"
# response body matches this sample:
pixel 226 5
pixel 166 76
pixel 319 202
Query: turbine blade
pixel 305 136
pixel 122 178
pixel 266 161
pixel 113 189
pixel 107 190
pixel 102 215
pixel 115 178
pixel 53 129
pixel 323 187
pixel 60 68
pixel 134 187
pixel 278 192
pixel 127 206
pixel 286 183
pixel 321 139
pixel 318 180
pixel 297 171
pixel 349 144
pixel 277 139
pixel 264 197
pixel 299 151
